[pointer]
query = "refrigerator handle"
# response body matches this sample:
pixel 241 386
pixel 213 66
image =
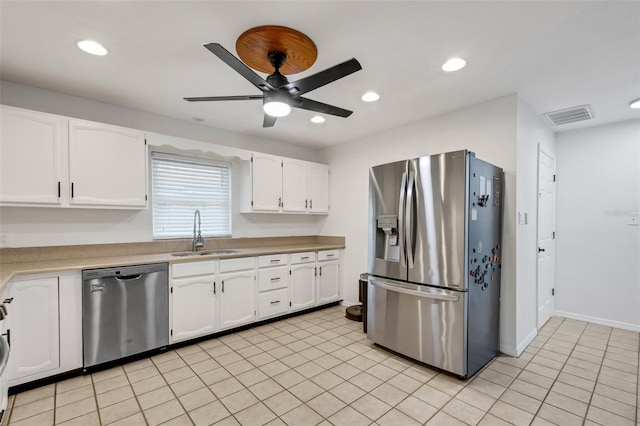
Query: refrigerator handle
pixel 424 294
pixel 407 220
pixel 401 207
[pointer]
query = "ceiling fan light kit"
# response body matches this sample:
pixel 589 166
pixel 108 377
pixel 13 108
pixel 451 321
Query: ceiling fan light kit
pixel 279 49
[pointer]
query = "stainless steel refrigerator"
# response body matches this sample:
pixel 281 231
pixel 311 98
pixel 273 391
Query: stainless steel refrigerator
pixel 434 260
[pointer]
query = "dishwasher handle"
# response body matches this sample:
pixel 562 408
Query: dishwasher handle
pixel 4 349
pixel 128 277
pixel 426 294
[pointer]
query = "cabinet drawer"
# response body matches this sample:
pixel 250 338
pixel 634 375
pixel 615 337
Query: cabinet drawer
pixel 328 255
pixel 272 278
pixel 187 269
pixel 275 302
pixel 306 257
pixel 272 260
pixel 240 264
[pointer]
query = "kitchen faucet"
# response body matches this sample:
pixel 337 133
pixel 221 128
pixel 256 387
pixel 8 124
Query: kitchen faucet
pixel 197 238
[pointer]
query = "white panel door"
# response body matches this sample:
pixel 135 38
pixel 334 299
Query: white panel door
pixel 266 181
pixel 318 188
pixel 194 309
pixel 33 327
pixel 294 186
pixel 30 157
pixel 237 298
pixel 303 291
pixel 546 237
pixel 107 165
pixel 328 282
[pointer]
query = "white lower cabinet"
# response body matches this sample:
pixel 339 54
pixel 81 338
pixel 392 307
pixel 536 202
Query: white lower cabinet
pixel 44 326
pixel 328 276
pixel 303 280
pixel 273 285
pixel 237 292
pixel 194 289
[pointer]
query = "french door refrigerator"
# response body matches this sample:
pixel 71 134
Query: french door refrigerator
pixel 434 260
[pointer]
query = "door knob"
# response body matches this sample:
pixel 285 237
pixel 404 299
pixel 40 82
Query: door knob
pixel 540 249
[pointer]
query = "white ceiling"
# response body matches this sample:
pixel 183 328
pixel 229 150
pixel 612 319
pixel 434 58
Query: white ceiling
pixel 554 54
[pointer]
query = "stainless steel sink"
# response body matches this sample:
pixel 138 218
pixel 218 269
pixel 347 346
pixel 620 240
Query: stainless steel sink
pixel 205 252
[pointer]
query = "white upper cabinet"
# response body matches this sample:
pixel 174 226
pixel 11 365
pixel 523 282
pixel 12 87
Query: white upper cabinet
pixel 107 165
pixel 48 160
pixel 318 184
pixel 31 153
pixel 266 182
pixel 294 186
pixel 284 185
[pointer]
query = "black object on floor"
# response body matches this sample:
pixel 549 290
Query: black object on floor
pixel 354 313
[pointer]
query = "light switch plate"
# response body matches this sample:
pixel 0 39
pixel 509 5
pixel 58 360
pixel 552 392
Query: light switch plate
pixel 4 240
pixel 522 218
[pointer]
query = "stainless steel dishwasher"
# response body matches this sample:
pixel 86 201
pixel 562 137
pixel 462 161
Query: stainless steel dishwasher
pixel 125 311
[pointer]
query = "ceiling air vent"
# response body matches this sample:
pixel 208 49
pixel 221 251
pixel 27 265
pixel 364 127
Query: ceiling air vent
pixel 570 115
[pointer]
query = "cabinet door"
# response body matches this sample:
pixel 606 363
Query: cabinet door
pixel 30 157
pixel 237 298
pixel 194 312
pixel 33 327
pixel 294 186
pixel 318 188
pixel 266 180
pixel 107 165
pixel 328 282
pixel 303 291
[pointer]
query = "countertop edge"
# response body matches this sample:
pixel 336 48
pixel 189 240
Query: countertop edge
pixel 9 271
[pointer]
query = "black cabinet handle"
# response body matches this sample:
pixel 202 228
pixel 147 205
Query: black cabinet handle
pixel 71 189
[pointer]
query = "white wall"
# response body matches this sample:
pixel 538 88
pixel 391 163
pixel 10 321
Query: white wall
pixel 598 237
pixel 532 131
pixel 28 227
pixel 488 129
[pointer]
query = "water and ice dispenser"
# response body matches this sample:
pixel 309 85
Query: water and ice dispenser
pixel 387 246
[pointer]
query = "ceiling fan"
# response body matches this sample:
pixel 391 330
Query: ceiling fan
pixel 286 49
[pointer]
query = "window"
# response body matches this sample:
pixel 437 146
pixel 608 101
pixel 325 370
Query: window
pixel 180 185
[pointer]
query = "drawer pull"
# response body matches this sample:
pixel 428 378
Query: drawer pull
pixel 274 302
pixel 331 255
pixel 274 260
pixel 304 257
pixel 275 279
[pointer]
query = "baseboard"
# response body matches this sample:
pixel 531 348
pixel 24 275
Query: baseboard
pixel 600 321
pixel 347 303
pixel 517 351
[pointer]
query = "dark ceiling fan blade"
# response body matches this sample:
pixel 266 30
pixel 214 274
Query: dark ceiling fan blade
pixel 312 105
pixel 239 66
pixel 269 120
pixel 321 78
pixel 224 98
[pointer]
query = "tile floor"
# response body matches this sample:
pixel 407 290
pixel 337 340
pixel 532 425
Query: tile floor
pixel 319 368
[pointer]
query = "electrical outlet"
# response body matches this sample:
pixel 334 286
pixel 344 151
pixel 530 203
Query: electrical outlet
pixel 4 240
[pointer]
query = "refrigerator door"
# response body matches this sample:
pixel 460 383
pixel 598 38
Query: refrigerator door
pixel 387 201
pixel 436 232
pixel 424 323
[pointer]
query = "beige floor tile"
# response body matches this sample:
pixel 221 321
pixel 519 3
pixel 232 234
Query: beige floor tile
pixel 327 380
pixel 214 376
pixel 182 420
pixel 239 401
pixel 187 385
pixel 170 365
pixel 164 357
pixel 476 398
pixel 580 372
pixel 463 411
pixel 147 385
pixel 587 365
pixel 325 404
pixel 571 391
pixel 346 416
pixel 251 377
pixel 617 407
pixel 389 394
pixel 274 368
pixel 302 416
pixel 371 406
pixel 42 419
pixel 74 395
pixel 282 402
pixel 447 384
pixel 119 411
pixel 265 389
pixel 405 383
pixel 195 357
pixel 576 381
pixel 416 409
pixel 521 401
pixel 34 395
pixel 397 418
pixel 365 381
pixel 255 415
pixel 536 379
pixel 226 387
pixel 433 396
pixel 74 383
pixel 249 351
pixel 204 366
pixel 89 419
pixel 442 419
pixel 111 383
pixel 142 373
pixel 107 374
pixel 294 360
pixel 503 368
pixel 261 359
pixel 511 414
pixel 196 399
pixel 289 378
pixel 558 416
pixel 361 362
pixel 178 375
pixel 382 372
pixel 617 394
pixel 487 387
pixel 114 396
pixel 137 365
pixel 542 370
pixel 163 412
pixel 309 369
pixel 155 397
pixel 209 413
pixel 31 408
pixel 615 383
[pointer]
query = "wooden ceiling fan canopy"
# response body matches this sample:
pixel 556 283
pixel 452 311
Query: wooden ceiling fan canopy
pixel 255 44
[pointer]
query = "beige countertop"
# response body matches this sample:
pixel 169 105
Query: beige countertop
pixel 12 269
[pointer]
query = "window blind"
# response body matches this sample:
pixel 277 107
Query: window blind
pixel 180 185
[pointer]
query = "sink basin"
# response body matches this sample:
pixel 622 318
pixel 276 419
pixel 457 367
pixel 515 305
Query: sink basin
pixel 205 253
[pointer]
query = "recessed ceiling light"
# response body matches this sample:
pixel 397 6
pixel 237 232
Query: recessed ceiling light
pixel 317 119
pixel 92 47
pixel 635 103
pixel 370 97
pixel 454 64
